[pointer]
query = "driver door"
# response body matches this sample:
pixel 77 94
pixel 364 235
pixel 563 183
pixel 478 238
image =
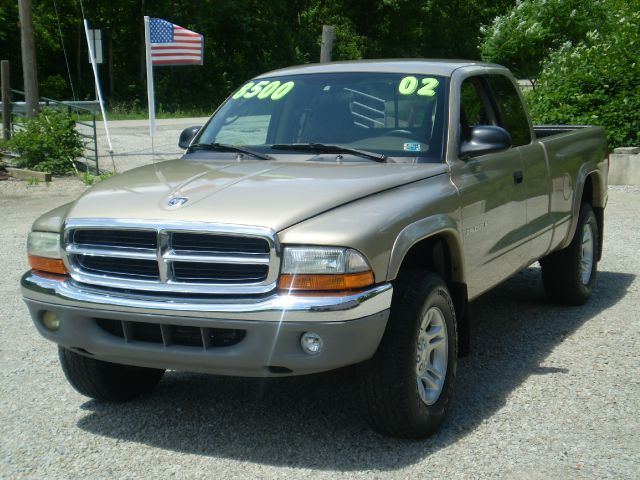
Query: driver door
pixel 493 203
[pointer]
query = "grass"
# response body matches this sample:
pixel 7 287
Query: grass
pixel 131 111
pixel 89 179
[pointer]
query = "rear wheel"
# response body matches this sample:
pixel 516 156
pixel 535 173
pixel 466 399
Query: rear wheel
pixel 107 381
pixel 569 275
pixel 408 383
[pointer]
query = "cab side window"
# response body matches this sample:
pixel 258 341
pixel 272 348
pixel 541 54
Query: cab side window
pixel 474 107
pixel 512 116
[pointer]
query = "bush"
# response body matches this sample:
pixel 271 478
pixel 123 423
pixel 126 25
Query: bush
pixel 596 82
pixel 49 142
pixel 53 86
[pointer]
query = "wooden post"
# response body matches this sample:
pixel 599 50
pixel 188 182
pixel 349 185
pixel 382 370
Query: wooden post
pixel 6 100
pixel 28 44
pixel 327 43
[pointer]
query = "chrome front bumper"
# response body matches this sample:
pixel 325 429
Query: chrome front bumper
pixel 351 326
pixel 277 307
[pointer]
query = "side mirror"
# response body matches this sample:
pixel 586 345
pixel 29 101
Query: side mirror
pixel 485 139
pixel 187 135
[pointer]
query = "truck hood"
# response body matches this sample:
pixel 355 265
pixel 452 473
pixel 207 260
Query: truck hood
pixel 269 194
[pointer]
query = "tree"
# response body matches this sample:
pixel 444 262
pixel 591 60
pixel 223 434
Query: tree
pixel 242 38
pixel 532 29
pixel 596 81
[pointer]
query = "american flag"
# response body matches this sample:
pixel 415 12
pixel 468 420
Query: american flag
pixel 174 45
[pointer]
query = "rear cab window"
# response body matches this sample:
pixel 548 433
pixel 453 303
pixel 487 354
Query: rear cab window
pixel 510 111
pixel 475 106
pixel 493 100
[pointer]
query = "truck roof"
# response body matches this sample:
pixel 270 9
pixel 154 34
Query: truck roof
pixel 402 65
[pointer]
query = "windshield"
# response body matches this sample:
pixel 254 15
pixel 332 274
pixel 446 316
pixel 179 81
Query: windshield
pixel 393 114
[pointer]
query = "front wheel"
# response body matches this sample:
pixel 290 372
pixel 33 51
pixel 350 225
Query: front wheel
pixel 408 383
pixel 569 275
pixel 110 382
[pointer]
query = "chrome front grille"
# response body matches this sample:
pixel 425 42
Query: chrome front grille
pixel 178 257
pixel 194 242
pixel 210 273
pixel 120 267
pixel 122 238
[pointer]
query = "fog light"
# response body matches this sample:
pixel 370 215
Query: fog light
pixel 311 343
pixel 51 321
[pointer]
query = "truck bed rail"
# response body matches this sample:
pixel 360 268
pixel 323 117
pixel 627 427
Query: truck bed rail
pixel 542 131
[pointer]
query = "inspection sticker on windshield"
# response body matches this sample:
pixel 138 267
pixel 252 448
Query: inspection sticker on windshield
pixel 412 147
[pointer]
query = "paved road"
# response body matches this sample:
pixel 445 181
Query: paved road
pixel 547 392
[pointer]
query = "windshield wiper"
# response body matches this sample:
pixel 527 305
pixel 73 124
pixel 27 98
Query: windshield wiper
pixel 325 148
pixel 224 147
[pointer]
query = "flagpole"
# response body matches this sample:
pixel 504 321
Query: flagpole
pixel 150 91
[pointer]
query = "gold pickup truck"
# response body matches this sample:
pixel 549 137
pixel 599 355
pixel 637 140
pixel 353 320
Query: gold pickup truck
pixel 325 216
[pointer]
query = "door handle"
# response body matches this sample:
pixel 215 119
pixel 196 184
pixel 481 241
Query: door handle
pixel 518 177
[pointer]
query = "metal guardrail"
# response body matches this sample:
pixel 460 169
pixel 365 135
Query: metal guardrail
pixel 92 105
pixel 80 109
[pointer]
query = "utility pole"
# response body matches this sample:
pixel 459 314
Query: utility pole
pixel 327 43
pixel 28 44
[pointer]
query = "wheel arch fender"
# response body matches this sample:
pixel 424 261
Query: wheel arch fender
pixel 590 187
pixel 430 230
pixel 434 244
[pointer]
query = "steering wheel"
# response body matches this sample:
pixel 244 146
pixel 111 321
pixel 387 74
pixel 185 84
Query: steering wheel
pixel 401 133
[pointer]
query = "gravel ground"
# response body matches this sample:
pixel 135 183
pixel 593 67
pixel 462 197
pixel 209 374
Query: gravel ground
pixel 546 392
pixel 132 144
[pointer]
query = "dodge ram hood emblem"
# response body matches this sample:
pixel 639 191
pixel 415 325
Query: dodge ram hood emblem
pixel 177 201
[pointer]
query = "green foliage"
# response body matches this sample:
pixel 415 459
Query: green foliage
pixel 596 81
pixel 53 86
pixel 522 37
pixel 104 175
pixel 134 110
pixel 49 142
pixel 348 44
pixel 3 17
pixel 242 38
pixel 89 179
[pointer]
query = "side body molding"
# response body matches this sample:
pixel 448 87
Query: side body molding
pixel 436 225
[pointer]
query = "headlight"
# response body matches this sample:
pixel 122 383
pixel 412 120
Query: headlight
pixel 324 268
pixel 44 244
pixel 43 249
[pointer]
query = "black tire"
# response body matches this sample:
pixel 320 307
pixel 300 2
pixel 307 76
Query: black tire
pixel 109 382
pixel 389 381
pixel 562 271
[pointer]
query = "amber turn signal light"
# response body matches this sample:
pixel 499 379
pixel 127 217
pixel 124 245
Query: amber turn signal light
pixel 346 281
pixel 49 265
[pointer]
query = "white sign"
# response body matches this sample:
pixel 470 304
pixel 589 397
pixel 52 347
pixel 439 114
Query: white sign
pixel 95 43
